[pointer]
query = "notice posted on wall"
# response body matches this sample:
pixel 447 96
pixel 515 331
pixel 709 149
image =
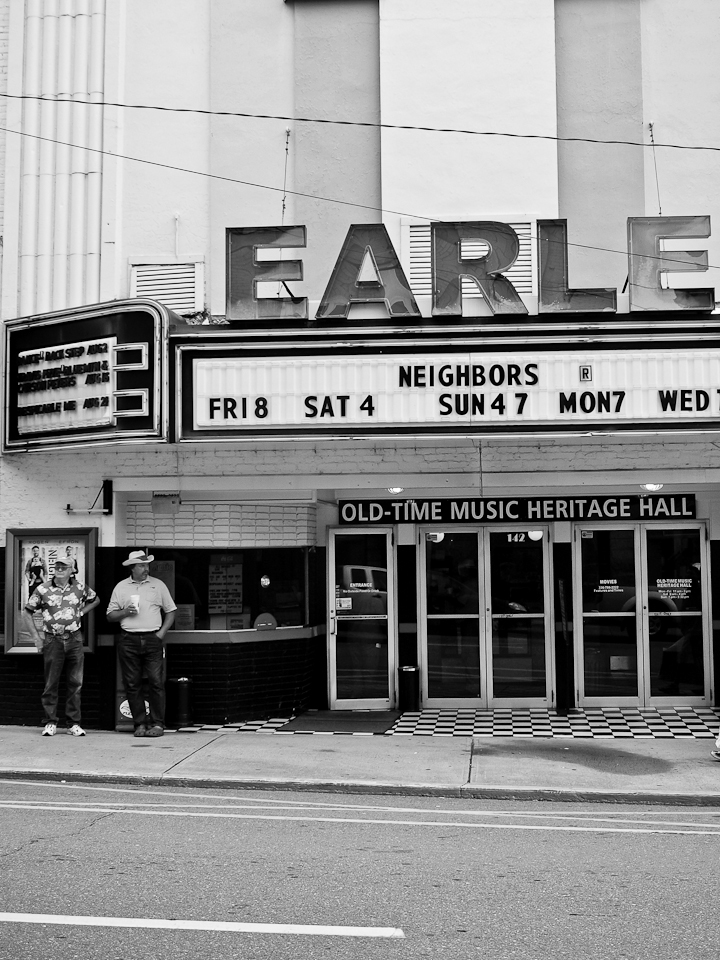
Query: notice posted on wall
pixel 225 584
pixel 674 588
pixel 608 586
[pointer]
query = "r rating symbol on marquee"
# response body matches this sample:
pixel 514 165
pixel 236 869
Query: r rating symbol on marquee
pixel 585 373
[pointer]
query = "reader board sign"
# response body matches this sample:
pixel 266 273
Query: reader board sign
pixel 574 389
pixel 528 510
pixel 93 374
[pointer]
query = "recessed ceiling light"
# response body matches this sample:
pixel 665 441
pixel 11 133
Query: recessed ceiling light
pixel 395 489
pixel 651 487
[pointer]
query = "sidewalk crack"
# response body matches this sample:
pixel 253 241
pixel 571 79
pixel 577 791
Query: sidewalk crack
pixel 201 747
pixel 470 765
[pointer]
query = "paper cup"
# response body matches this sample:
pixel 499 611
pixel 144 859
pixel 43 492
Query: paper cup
pixel 135 601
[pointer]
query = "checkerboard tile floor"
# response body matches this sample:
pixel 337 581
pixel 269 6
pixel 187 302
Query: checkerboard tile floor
pixel 607 723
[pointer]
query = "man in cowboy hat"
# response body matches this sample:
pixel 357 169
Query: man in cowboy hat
pixel 63 601
pixel 145 610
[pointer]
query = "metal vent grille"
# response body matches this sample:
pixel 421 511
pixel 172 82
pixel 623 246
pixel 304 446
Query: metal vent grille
pixel 419 276
pixel 177 285
pixel 223 525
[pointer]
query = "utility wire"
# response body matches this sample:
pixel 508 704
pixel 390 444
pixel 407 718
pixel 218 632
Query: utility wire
pixel 310 196
pixel 357 123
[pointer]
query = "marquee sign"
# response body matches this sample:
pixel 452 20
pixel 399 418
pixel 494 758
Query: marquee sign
pixel 368 270
pixel 226 395
pixel 91 374
pixel 527 510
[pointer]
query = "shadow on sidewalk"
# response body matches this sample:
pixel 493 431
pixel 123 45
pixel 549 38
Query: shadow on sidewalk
pixel 595 755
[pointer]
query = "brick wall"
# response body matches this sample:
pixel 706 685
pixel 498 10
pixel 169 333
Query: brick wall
pixel 21 686
pixel 231 682
pixel 35 488
pixel 247 681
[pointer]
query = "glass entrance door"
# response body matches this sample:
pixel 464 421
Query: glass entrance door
pixel 485 618
pixel 641 616
pixel 361 621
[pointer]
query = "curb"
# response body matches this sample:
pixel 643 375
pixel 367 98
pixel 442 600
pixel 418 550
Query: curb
pixel 377 788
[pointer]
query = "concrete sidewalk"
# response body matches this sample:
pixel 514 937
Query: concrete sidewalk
pixel 644 771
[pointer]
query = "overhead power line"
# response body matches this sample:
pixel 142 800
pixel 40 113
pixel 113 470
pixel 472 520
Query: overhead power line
pixel 359 123
pixel 299 193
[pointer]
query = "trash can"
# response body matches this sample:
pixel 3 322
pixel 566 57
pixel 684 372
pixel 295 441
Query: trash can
pixel 177 711
pixel 408 688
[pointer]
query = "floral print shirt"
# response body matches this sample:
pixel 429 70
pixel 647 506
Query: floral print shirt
pixel 60 606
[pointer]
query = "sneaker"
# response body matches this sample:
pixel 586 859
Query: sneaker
pixel 49 730
pixel 76 730
pixel 155 731
pixel 715 754
pixel 140 731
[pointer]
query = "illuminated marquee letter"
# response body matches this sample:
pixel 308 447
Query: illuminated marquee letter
pixel 245 271
pixel 555 296
pixel 368 271
pixel 449 266
pixel 649 264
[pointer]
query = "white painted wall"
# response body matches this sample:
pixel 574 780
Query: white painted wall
pixel 165 64
pixel 599 90
pixel 621 65
pixel 681 80
pixel 251 71
pixel 474 64
pixel 578 67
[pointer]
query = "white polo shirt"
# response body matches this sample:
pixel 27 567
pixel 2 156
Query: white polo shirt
pixel 155 600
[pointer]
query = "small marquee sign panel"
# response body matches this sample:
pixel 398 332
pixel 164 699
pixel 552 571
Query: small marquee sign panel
pixel 88 375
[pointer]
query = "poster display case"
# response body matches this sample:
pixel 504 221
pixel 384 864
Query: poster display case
pixel 31 555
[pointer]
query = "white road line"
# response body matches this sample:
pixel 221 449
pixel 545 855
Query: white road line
pixel 307 929
pixel 253 802
pixel 359 820
pixel 178 808
pixel 118 805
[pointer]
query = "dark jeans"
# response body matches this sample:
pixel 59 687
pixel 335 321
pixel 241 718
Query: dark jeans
pixel 138 652
pixel 58 653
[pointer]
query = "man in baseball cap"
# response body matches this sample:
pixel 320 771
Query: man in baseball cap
pixel 63 601
pixel 143 607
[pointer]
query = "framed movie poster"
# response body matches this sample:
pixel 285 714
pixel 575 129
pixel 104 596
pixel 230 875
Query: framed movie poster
pixel 30 559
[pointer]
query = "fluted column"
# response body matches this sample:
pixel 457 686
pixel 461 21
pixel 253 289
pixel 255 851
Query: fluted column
pixel 61 186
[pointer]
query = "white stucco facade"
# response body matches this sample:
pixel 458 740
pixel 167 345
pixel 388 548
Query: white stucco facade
pixel 142 131
pixel 77 219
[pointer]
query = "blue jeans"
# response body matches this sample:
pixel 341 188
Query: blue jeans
pixel 58 653
pixel 138 652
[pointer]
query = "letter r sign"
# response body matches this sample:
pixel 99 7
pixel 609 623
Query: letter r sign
pixel 585 373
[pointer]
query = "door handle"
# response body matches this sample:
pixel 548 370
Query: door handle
pixel 333 624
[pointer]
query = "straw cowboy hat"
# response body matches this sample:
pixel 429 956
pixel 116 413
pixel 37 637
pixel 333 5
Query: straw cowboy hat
pixel 137 556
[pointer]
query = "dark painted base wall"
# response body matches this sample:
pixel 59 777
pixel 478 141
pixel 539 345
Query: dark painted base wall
pixel 21 686
pixel 247 681
pixel 230 682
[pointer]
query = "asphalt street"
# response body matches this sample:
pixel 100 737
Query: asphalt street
pixel 113 871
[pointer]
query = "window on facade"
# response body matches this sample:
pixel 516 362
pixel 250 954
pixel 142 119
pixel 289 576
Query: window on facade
pixel 227 589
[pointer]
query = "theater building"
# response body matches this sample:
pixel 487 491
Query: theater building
pixel 408 413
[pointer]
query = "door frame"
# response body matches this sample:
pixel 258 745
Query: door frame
pixel 374 703
pixel 486 701
pixel 643 698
